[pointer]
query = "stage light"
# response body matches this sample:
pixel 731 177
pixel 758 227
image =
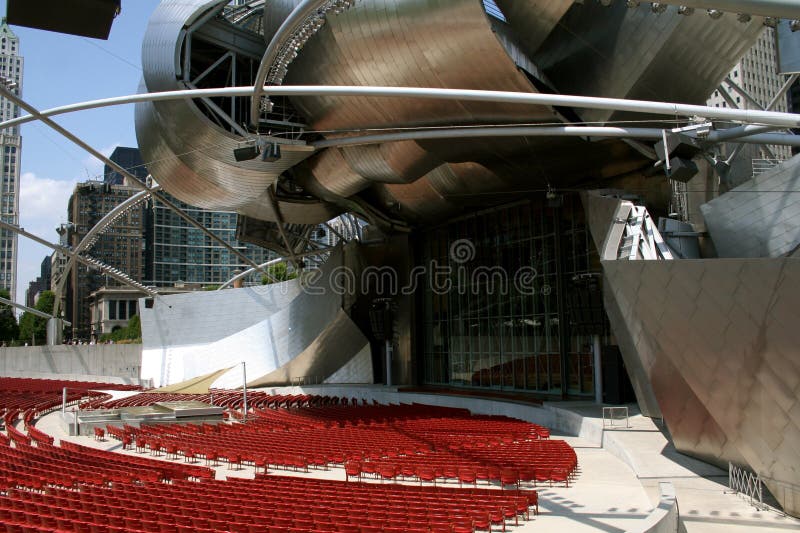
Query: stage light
pixel 714 14
pixel 744 18
pixel 658 7
pixel 685 10
pixel 771 22
pixel 794 25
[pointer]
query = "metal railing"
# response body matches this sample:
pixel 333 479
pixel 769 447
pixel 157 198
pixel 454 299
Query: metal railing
pixel 747 484
pixel 608 414
pixel 762 165
pixel 306 380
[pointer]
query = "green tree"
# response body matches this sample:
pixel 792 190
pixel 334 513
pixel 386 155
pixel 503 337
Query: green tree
pixel 9 329
pixel 132 333
pixel 278 272
pixel 32 328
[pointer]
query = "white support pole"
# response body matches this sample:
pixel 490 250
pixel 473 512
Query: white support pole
pixel 64 401
pixel 787 120
pixel 244 391
pixel 388 363
pixel 598 371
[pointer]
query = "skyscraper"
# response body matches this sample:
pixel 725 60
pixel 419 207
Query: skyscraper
pixel 757 74
pixel 128 158
pixel 119 247
pixel 177 252
pixel 11 143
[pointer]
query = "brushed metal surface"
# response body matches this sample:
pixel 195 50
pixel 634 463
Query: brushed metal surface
pixel 269 327
pixel 634 53
pixel 188 155
pixel 761 217
pixel 726 329
pixel 533 20
pixel 558 46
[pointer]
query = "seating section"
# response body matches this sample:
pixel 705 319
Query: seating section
pixel 72 487
pixel 269 503
pixel 223 398
pixel 422 442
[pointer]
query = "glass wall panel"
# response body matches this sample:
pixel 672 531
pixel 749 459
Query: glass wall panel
pixel 493 327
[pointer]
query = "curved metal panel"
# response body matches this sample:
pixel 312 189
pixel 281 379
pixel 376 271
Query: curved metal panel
pixel 533 20
pixel 634 53
pixel 188 155
pixel 415 43
pixel 268 327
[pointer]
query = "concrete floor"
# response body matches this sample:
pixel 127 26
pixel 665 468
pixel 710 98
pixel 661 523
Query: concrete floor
pixel 705 502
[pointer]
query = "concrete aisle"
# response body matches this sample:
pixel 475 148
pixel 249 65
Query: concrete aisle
pixel 704 503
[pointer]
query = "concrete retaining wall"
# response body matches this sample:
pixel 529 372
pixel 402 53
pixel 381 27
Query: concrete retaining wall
pixel 93 362
pixel 664 518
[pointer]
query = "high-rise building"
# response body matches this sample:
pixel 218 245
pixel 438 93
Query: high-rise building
pixel 41 283
pixel 128 158
pixel 11 143
pixel 757 74
pixel 120 246
pixel 176 252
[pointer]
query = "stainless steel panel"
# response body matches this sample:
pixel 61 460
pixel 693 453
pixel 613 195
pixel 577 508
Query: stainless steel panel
pixel 726 329
pixel 760 218
pixel 188 155
pixel 564 46
pixel 533 20
pixel 633 53
pixel 272 327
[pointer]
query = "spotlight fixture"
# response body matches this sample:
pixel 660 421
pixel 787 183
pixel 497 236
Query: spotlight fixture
pixel 794 25
pixel 714 14
pixel 744 18
pixel 272 153
pixel 771 22
pixel 685 10
pixel 658 7
pixel 632 3
pixel 246 153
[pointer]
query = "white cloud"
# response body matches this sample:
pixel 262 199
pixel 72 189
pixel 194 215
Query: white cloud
pixel 42 207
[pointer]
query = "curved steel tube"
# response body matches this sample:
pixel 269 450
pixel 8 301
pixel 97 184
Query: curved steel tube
pixel 556 131
pixel 91 263
pixel 130 177
pixel 289 26
pixel 769 118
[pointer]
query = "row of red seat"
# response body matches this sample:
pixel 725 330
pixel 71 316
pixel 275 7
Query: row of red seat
pixel 56 385
pixel 224 398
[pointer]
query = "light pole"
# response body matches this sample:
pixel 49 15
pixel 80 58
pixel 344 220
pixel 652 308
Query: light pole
pixel 244 392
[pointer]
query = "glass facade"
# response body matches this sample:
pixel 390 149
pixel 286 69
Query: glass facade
pixel 177 251
pixel 509 303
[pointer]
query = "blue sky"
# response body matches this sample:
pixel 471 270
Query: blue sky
pixel 62 69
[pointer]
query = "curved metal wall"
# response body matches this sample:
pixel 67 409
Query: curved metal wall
pixel 623 52
pixel 283 329
pixel 557 46
pixel 188 155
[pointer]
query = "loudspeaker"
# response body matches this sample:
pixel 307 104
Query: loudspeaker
pixel 148 303
pixel 245 153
